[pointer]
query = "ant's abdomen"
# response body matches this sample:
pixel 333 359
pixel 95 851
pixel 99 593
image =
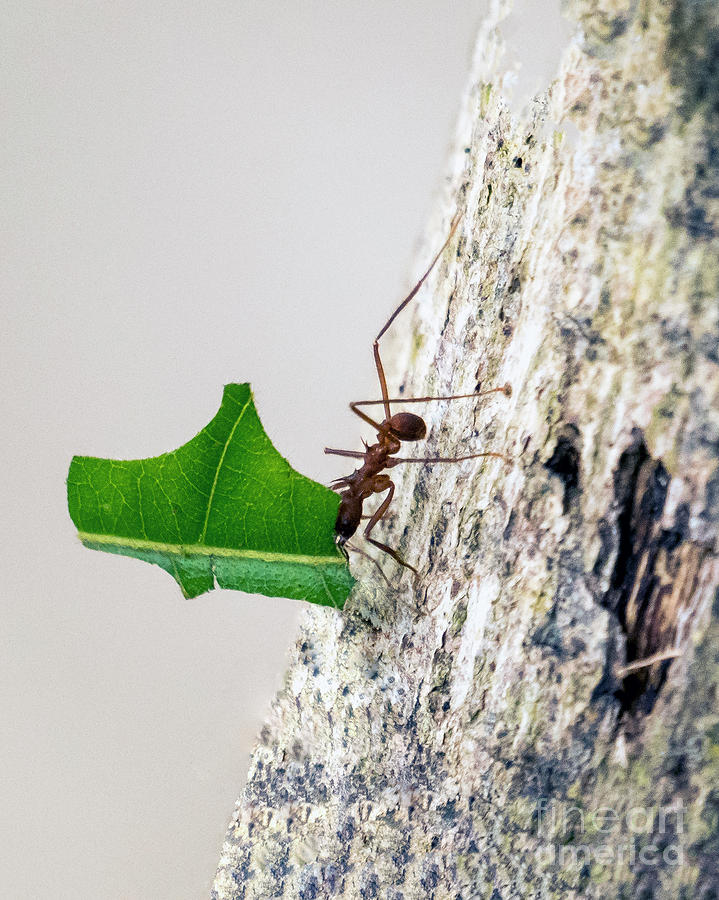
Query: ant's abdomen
pixel 407 427
pixel 348 515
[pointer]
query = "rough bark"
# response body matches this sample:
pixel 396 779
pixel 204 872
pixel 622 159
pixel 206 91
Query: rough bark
pixel 472 733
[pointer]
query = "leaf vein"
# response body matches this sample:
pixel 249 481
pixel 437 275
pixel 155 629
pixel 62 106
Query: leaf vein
pixel 203 533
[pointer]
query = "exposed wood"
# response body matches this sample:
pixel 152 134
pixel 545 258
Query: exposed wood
pixel 488 730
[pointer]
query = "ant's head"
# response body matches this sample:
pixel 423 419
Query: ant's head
pixel 349 515
pixel 407 427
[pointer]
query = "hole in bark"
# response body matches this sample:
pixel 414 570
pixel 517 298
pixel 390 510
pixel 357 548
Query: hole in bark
pixel 564 463
pixel 654 571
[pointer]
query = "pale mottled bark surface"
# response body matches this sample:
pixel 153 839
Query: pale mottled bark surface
pixel 460 736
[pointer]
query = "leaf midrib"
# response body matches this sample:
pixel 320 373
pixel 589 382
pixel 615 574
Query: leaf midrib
pixel 205 550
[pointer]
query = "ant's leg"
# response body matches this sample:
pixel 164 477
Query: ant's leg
pixel 381 483
pixel 345 547
pixel 396 460
pixel 378 514
pixel 393 554
pixel 355 454
pixel 506 389
pixel 371 559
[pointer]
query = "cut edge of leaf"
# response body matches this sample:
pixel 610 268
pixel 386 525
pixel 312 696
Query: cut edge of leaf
pixel 324 581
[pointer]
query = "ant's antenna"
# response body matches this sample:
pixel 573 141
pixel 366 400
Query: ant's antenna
pixel 453 228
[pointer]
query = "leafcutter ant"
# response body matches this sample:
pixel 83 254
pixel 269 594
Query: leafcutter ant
pixel 395 428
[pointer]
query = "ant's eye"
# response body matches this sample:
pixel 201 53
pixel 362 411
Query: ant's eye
pixel 407 427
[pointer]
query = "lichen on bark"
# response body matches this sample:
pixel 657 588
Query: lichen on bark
pixel 472 733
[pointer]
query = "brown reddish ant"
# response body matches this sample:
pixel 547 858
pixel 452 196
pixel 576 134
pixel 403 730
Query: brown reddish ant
pixel 402 426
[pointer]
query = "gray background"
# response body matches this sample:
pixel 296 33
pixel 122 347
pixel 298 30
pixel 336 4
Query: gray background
pixel 192 194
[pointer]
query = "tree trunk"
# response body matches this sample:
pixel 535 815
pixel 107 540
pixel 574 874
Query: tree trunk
pixel 479 731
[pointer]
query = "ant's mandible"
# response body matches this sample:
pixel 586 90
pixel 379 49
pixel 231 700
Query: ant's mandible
pixel 391 432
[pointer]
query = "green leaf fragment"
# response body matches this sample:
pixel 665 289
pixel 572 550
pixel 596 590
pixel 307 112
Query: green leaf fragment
pixel 224 508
